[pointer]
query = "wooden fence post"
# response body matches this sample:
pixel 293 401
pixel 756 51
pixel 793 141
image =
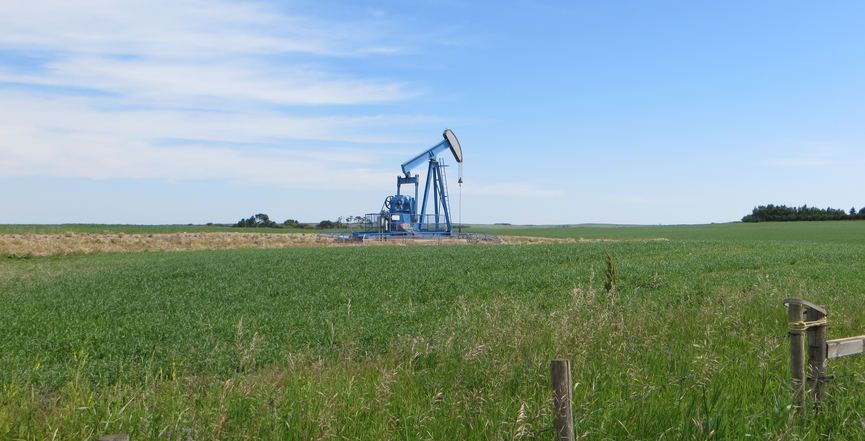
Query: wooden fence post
pixel 797 353
pixel 817 348
pixel 563 423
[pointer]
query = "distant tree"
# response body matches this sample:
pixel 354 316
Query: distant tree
pixel 325 224
pixel 260 220
pixel 781 213
pixel 291 223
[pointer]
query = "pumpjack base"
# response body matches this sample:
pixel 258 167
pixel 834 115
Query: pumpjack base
pixel 418 239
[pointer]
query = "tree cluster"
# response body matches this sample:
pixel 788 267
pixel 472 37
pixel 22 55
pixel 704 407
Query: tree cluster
pixel 263 221
pixel 258 221
pixel 341 222
pixel 781 213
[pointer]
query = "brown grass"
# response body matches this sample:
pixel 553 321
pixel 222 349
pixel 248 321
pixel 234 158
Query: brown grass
pixel 76 244
pixel 72 244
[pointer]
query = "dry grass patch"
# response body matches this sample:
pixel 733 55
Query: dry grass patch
pixel 77 244
pixel 73 244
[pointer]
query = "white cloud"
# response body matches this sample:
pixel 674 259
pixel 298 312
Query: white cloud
pixel 79 114
pixel 64 137
pixel 189 53
pixel 97 156
pixel 186 89
pixel 179 29
pixel 221 84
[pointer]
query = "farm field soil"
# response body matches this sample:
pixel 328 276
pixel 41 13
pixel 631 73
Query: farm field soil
pixel 424 342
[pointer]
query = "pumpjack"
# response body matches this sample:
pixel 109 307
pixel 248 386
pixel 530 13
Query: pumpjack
pixel 400 219
pixel 399 215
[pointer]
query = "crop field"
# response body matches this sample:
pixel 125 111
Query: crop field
pixel 843 232
pixel 685 339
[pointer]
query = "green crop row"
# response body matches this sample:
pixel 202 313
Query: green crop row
pixel 423 342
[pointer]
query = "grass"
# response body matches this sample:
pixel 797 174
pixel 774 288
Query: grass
pixel 838 232
pixel 22 246
pixel 423 342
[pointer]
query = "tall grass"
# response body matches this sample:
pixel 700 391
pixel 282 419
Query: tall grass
pixel 446 342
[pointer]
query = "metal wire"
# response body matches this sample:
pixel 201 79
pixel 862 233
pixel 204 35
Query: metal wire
pixel 668 384
pixel 681 379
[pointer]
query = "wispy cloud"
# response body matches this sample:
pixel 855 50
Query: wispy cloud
pixel 519 189
pixel 213 84
pixel 96 155
pixel 64 137
pixel 642 200
pixel 817 154
pixel 802 162
pixel 80 114
pixel 112 86
pixel 182 29
pixel 190 53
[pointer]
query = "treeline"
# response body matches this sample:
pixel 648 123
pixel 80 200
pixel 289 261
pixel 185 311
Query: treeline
pixel 781 213
pixel 262 220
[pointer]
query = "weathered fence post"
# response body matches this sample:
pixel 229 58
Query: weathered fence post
pixel 563 423
pixel 797 352
pixel 818 349
pixel 817 353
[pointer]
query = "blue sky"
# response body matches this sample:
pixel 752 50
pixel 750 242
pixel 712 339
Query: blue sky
pixel 174 112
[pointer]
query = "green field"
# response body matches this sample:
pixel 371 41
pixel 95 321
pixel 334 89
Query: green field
pixel 432 342
pixel 842 232
pixel 820 232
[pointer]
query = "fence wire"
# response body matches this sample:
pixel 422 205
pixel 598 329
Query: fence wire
pixel 647 392
pixel 651 390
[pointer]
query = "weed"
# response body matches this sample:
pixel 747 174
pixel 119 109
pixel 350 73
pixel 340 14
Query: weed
pixel 610 278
